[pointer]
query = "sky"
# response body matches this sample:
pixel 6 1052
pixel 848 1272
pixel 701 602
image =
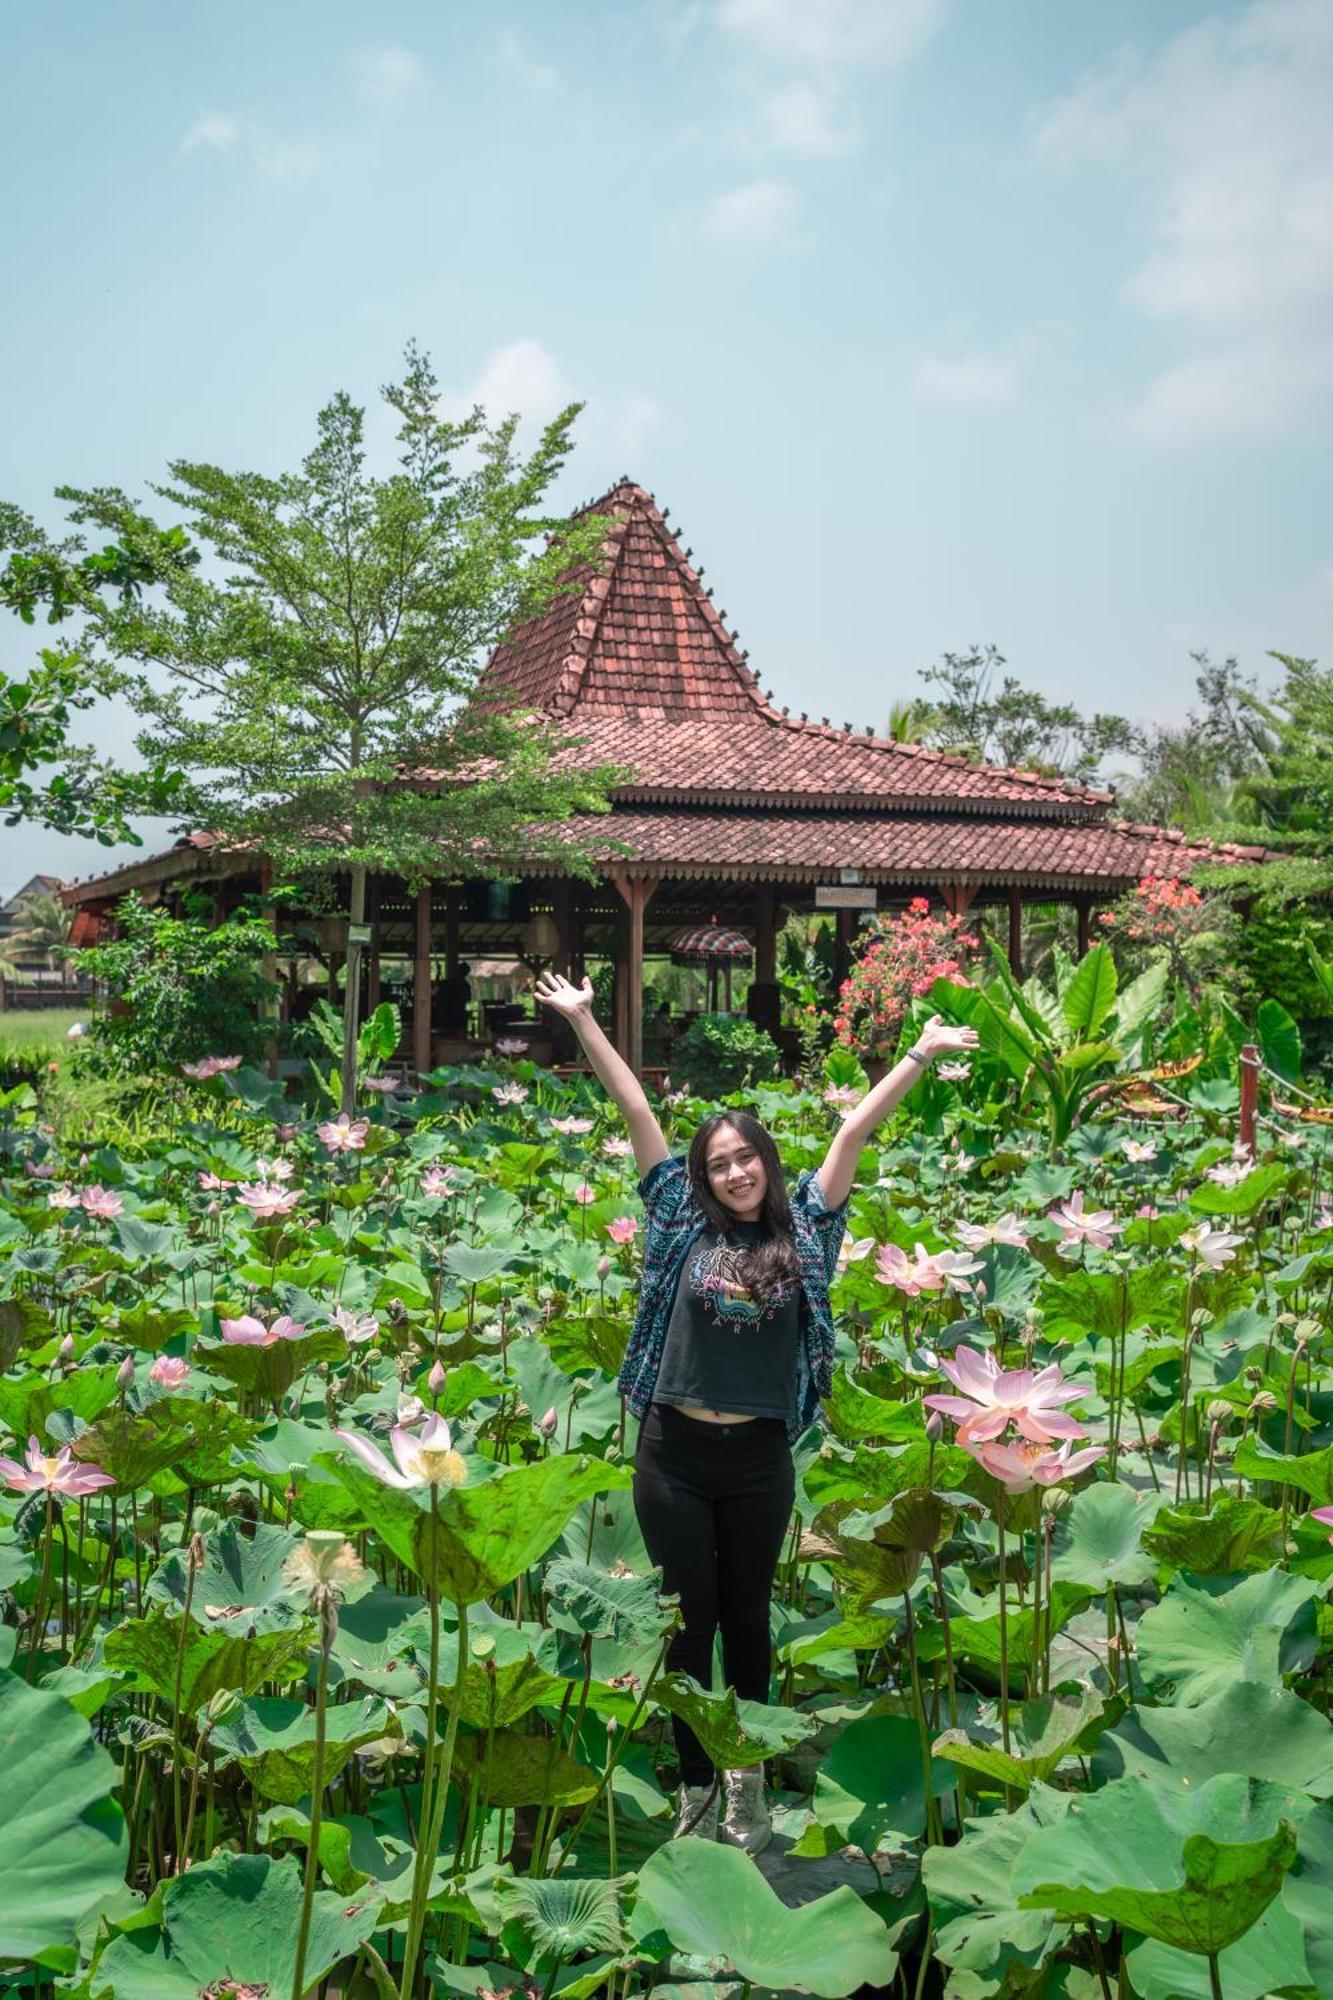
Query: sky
pixel 933 322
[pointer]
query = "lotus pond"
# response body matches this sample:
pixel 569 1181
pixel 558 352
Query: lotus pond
pixel 289 1707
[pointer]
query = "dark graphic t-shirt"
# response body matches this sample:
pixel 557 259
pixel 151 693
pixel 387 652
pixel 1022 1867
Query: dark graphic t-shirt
pixel 725 1350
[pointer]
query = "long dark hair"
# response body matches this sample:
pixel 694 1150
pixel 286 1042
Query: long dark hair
pixel 772 1264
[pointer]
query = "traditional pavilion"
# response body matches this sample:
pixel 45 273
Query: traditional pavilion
pixel 735 811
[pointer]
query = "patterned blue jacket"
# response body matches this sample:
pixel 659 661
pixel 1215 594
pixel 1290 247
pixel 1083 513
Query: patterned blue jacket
pixel 675 1220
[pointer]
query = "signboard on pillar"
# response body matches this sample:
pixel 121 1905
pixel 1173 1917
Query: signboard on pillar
pixel 845 896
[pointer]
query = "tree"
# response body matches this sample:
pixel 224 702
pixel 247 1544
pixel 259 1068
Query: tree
pixel 44 926
pixel 1195 775
pixel 1010 724
pixel 320 672
pixel 43 776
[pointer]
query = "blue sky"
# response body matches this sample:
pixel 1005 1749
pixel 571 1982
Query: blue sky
pixel 932 321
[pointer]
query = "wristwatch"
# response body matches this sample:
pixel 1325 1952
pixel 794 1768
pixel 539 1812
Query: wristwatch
pixel 917 1057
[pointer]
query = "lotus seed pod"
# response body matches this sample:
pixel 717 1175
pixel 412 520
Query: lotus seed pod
pixel 1219 1412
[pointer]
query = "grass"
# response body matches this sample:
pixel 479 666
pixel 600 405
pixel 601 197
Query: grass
pixel 37 1033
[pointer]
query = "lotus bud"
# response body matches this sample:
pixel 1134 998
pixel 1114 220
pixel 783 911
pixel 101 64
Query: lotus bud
pixel 197 1552
pixel 65 1351
pixel 436 1379
pixel 1264 1400
pixel 1219 1412
pixel 125 1374
pixel 611 1727
pixel 603 1269
pixel 935 1426
pixel 613 1455
pixel 410 1410
pixel 547 1424
pixel 1054 1501
pixel 221 1708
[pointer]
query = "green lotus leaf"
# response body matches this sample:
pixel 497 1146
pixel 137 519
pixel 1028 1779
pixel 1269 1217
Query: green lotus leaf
pixel 1309 1472
pixel 1259 1731
pixel 234 1919
pixel 484 1535
pixel 562 1918
pixel 465 1385
pixel 1269 1959
pixel 240 1587
pixel 1209 1631
pixel 1192 1868
pixel 627 1609
pixel 1106 1303
pixel 62 1835
pixel 978 1639
pixel 862 1633
pixel 282 1454
pixel 377 1642
pixel 1308 1894
pixel 473 1266
pixel 268 1372
pixel 712 1901
pixel 1236 1533
pixel 1258 1186
pixel 871 1785
pixel 868 1475
pixel 1098 1539
pixel 150 1649
pixel 734 1733
pixel 981 1934
pixel 1042 1733
pixel 587 1407
pixel 152 1326
pixel 26 1403
pixel 273 1740
pixel 854 1414
pixel 335 1843
pixel 521 1770
pixel 503 1677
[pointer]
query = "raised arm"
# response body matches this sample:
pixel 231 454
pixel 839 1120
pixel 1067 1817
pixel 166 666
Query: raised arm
pixel 838 1172
pixel 621 1084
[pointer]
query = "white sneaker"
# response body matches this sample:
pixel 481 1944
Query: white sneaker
pixel 696 1811
pixel 747 1823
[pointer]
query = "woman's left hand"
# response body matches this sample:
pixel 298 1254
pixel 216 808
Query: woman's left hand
pixel 941 1038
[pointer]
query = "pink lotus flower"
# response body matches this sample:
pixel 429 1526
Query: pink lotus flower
pixel 343 1134
pixel 569 1128
pixel 1324 1516
pixel 853 1249
pixel 1139 1150
pixel 511 1045
pixel 1022 1465
pixel 265 1200
pixel 994 1397
pixel 61 1474
pixel 358 1331
pixel 959 1162
pixel 101 1202
pixel 1214 1247
pixel 1096 1226
pixel 583 1194
pixel 509 1093
pixel 210 1183
pixel 380 1086
pixel 169 1371
pixel 925 1272
pixel 210 1066
pixel 437 1182
pixel 251 1332
pixel 222 1064
pixel 843 1096
pixel 954 1072
pixel 623 1229
pixel 1229 1173
pixel 1006 1229
pixel 63 1197
pixel 39 1170
pixel 428 1460
pixel 617 1148
pixel 274 1170
pixel 1146 1212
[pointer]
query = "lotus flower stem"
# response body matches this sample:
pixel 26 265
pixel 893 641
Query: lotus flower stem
pixel 934 1833
pixel 43 1593
pixel 622 1740
pixel 429 1831
pixel 190 1574
pixel 328 1626
pixel 1004 1631
pixel 1034 1662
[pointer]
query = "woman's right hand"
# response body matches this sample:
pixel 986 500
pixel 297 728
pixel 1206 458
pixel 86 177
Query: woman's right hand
pixel 563 997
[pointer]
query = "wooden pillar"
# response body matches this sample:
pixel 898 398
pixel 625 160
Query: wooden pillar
pixel 1083 904
pixel 562 899
pixel 1015 931
pixel 421 984
pixel 452 910
pixel 636 894
pixel 765 935
pixel 958 897
pixel 373 956
pixel 844 935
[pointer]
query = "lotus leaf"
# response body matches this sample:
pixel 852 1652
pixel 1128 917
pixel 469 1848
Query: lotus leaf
pixel 871 1785
pixel 1310 1472
pixel 1192 1868
pixel 240 1587
pixel 1236 1533
pixel 1308 1894
pixel 273 1740
pixel 62 1836
pixel 1260 1731
pixel 234 1918
pixel 519 1770
pixel 1042 1733
pixel 1210 1631
pixel 711 1900
pixel 150 1650
pixel 981 1933
pixel 1098 1538
pixel 734 1733
pixel 268 1372
pixel 1269 1959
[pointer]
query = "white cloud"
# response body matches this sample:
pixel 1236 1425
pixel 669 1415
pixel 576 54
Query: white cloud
pixel 756 216
pixel 289 162
pixel 521 376
pixel 882 33
pixel 1225 134
pixel 387 73
pixel 213 129
pixel 516 56
pixel 805 119
pixel 973 380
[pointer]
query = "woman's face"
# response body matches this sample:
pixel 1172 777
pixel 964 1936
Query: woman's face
pixel 736 1174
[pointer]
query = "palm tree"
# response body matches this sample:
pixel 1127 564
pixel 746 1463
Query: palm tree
pixel 11 972
pixel 908 721
pixel 43 929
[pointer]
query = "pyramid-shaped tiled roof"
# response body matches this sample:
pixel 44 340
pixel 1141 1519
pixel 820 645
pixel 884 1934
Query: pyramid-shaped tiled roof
pixel 642 668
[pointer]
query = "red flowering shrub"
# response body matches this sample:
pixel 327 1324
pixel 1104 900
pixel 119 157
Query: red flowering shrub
pixel 902 958
pixel 1163 913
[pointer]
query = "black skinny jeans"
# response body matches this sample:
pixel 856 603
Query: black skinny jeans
pixel 713 1502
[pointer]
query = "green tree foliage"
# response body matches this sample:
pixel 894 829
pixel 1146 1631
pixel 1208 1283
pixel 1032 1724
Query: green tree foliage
pixel 44 777
pixel 987 714
pixel 189 988
pixel 333 640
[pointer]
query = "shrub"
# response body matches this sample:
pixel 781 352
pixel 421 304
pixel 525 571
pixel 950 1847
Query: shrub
pixel 901 959
pixel 719 1053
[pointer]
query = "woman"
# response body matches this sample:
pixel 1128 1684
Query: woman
pixel 730 1352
